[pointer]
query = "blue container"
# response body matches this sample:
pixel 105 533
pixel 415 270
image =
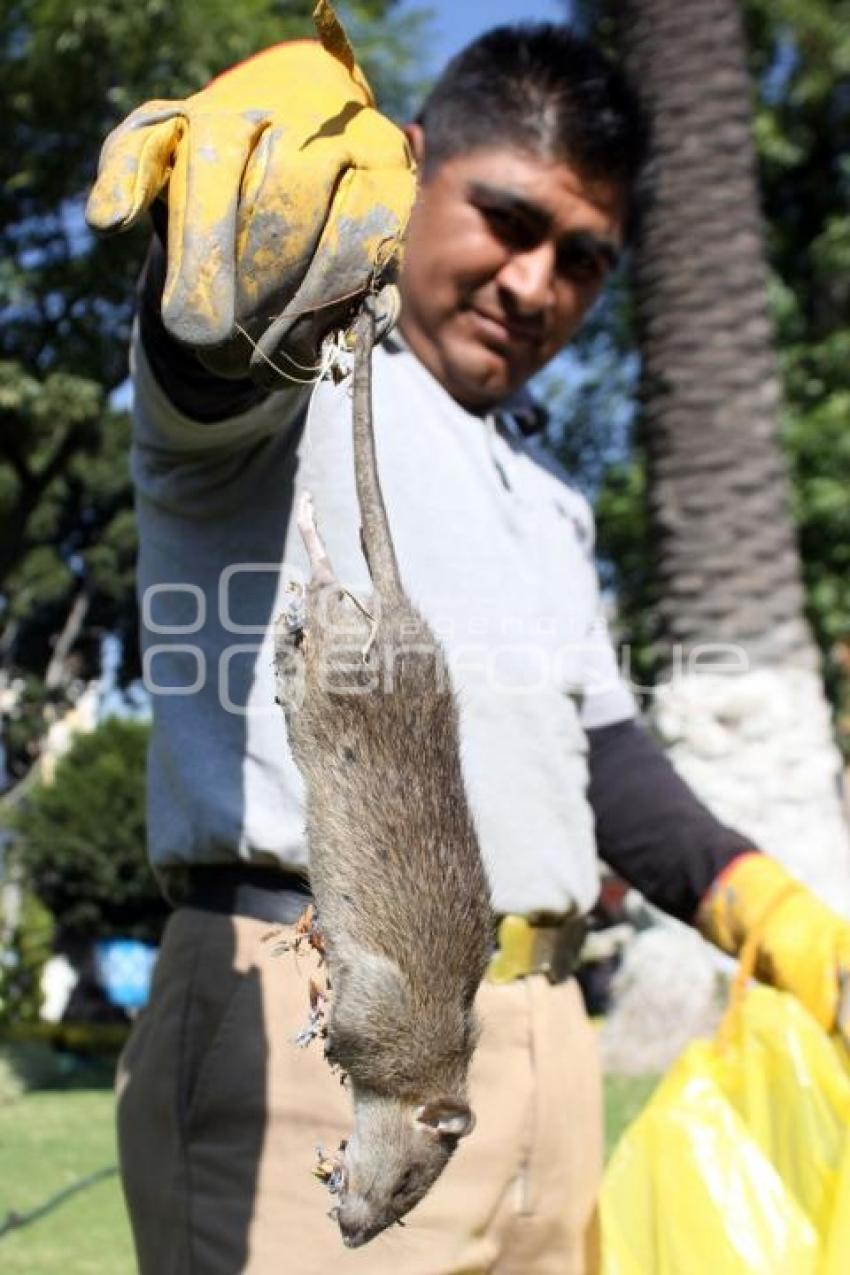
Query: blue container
pixel 124 970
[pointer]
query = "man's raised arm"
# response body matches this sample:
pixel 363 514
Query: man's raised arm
pixel 280 196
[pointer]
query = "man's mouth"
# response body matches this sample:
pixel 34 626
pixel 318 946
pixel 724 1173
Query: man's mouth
pixel 508 333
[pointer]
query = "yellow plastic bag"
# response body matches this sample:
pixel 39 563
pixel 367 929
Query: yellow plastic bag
pixel 740 1162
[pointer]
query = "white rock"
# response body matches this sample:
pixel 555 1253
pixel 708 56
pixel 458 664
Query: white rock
pixel 669 989
pixel 777 779
pixel 58 980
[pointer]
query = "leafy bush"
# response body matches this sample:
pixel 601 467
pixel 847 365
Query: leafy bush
pixel 80 841
pixel 28 1065
pixel 25 954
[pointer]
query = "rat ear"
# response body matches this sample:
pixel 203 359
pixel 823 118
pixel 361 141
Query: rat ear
pixel 447 1117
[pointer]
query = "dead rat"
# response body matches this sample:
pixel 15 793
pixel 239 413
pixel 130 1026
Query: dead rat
pixel 393 856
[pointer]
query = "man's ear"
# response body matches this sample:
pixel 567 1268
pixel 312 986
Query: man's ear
pixel 416 137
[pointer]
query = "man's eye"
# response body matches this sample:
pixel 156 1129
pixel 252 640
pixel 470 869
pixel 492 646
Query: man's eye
pixel 580 266
pixel 512 231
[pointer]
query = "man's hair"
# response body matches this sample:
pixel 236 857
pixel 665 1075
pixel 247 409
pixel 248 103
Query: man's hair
pixel 541 88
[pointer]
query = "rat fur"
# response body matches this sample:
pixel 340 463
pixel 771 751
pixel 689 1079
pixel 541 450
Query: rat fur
pixel 393 855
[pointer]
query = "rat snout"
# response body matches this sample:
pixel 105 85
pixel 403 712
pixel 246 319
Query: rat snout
pixel 357 1222
pixel 355 1238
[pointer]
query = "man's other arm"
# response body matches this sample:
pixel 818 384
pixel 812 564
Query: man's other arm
pixel 650 827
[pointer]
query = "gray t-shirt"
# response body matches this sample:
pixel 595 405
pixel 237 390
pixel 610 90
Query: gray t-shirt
pixel 495 549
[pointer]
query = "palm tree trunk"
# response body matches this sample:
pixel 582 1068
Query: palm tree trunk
pixel 741 703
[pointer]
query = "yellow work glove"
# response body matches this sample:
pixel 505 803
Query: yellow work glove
pixel 802 946
pixel 287 193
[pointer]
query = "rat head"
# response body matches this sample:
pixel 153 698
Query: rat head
pixel 396 1153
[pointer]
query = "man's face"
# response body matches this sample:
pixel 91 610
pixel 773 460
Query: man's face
pixel 505 254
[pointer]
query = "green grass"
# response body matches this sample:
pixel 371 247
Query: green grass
pixel 625 1096
pixel 50 1140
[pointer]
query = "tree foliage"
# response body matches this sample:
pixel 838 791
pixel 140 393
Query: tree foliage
pixel 800 53
pixel 79 842
pixel 800 62
pixel 27 948
pixel 69 73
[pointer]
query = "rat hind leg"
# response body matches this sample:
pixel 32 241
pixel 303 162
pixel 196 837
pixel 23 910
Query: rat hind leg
pixel 321 571
pixel 291 628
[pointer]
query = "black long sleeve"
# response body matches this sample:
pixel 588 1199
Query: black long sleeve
pixel 650 827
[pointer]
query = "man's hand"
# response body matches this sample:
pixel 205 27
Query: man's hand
pixel 287 195
pixel 802 946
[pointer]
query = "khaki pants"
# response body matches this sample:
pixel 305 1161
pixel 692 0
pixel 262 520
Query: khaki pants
pixel 220 1114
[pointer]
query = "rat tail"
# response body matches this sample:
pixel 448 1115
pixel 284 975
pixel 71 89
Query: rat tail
pixel 374 525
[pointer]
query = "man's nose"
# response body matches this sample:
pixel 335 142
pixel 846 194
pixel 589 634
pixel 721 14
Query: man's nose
pixel 530 277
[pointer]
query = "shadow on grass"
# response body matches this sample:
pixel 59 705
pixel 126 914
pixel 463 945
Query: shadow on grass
pixel 14 1221
pixel 26 1066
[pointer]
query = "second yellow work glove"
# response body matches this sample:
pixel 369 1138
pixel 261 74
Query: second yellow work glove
pixel 288 195
pixel 802 946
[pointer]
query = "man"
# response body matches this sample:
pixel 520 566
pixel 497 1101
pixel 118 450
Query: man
pixel 529 152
